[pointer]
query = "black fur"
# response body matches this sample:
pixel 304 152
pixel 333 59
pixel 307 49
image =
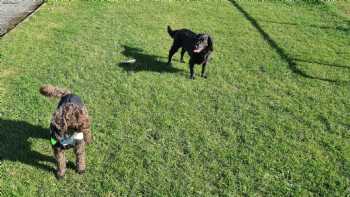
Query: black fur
pixel 70 98
pixel 198 46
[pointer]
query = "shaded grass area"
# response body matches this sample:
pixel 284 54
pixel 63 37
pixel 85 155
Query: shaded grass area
pixel 271 119
pixel 145 62
pixel 292 62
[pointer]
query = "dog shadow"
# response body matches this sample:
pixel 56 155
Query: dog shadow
pixel 15 143
pixel 145 62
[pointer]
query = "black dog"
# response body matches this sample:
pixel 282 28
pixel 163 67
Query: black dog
pixel 198 46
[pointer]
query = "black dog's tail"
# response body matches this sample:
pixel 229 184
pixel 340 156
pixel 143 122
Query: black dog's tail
pixel 171 32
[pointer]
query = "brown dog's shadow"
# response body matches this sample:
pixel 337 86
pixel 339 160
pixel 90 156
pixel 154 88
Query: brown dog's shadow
pixel 15 143
pixel 145 62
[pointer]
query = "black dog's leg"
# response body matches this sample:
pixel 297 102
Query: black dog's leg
pixel 182 55
pixel 191 69
pixel 204 74
pixel 172 51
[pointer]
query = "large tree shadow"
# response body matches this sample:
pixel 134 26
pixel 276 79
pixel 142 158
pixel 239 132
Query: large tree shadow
pixel 292 62
pixel 342 28
pixel 15 145
pixel 145 62
pixel 323 63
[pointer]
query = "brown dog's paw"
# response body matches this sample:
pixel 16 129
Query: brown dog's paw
pixel 80 171
pixel 59 176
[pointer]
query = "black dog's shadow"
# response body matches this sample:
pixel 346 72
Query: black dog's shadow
pixel 145 62
pixel 15 145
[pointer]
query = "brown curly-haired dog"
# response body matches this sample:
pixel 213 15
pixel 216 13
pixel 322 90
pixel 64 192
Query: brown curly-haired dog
pixel 70 119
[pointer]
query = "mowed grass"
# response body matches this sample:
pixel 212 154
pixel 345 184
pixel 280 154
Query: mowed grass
pixel 271 119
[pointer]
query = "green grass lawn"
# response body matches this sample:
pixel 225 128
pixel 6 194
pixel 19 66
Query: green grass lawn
pixel 271 119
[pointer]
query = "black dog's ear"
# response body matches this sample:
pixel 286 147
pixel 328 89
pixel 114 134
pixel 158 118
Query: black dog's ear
pixel 210 43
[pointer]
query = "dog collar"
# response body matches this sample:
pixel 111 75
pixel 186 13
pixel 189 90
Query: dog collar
pixel 67 141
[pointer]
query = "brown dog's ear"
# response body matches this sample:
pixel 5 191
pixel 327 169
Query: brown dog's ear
pixel 210 43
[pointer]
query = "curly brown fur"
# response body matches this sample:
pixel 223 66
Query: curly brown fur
pixel 79 151
pixel 70 116
pixel 52 91
pixel 60 162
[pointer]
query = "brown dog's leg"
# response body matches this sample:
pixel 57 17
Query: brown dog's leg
pixel 61 162
pixel 87 136
pixel 79 151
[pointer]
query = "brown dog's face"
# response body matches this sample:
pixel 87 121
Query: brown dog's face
pixel 202 42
